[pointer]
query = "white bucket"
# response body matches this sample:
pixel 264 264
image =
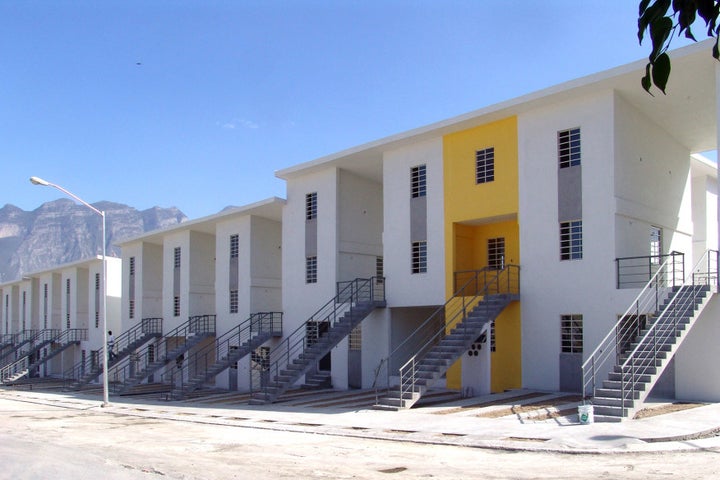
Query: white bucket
pixel 585 414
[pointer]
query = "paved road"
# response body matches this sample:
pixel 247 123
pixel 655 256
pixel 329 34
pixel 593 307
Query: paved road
pixel 79 440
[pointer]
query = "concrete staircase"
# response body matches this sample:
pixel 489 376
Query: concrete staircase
pixel 642 362
pixel 56 341
pixel 126 343
pixel 227 349
pixel 298 355
pixel 171 348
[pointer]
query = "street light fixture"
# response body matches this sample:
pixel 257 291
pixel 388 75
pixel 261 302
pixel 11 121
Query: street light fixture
pixel 45 183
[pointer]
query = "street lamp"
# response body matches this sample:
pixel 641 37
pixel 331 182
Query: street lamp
pixel 45 183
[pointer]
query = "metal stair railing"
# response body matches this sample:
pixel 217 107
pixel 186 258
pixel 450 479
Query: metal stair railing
pixel 58 341
pixel 91 368
pixel 223 351
pixel 155 355
pixel 474 286
pixel 636 272
pixel 668 275
pixel 20 340
pixel 682 305
pixel 361 291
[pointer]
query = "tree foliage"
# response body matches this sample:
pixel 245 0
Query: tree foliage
pixel 663 19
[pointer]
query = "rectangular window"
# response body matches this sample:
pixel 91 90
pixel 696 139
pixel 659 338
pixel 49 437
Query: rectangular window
pixel 380 269
pixel 485 165
pixel 311 270
pixel 655 245
pixel 233 301
pixel 176 257
pixel 234 246
pixel 67 303
pixel 419 257
pixel 97 300
pixel 311 206
pixel 131 308
pixel 492 336
pixel 571 242
pixel 132 266
pixel 569 147
pixel 45 305
pixel 355 338
pixel 418 185
pixel 496 253
pixel 24 308
pixel 571 333
pixel 176 306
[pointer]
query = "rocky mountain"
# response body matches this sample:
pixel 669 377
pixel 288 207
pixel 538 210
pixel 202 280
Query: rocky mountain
pixel 62 231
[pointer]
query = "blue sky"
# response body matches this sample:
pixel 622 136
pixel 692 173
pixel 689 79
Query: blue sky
pixel 195 104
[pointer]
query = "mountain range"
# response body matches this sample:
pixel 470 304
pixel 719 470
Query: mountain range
pixel 62 231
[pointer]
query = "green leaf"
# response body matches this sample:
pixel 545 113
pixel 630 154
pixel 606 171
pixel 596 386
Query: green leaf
pixel 646 80
pixel 661 71
pixel 652 13
pixel 716 50
pixel 660 30
pixel 643 6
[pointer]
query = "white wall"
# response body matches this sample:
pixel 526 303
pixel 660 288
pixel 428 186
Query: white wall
pixel 171 241
pixel 550 287
pixel 705 215
pixel 697 377
pixel 403 287
pixel 201 279
pixel 265 265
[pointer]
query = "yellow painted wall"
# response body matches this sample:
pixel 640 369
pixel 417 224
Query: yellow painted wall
pixel 475 213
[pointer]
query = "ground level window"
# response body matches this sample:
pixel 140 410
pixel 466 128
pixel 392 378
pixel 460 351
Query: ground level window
pixel 571 333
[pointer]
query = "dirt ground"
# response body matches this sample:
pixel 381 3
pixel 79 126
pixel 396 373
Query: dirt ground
pixel 46 441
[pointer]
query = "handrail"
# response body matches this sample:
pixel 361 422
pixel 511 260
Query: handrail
pixel 480 283
pixel 634 272
pixel 92 366
pixel 646 302
pixel 58 341
pixel 658 332
pixel 349 293
pixel 222 350
pixel 161 351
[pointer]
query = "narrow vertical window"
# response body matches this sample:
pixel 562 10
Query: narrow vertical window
pixel 233 301
pixel 418 183
pixel 571 242
pixel 655 245
pixel 234 246
pixel 492 336
pixel 176 306
pixel 311 269
pixel 131 308
pixel 419 257
pixel 176 257
pixel 132 266
pixel 496 253
pixel 67 303
pixel 485 165
pixel 571 333
pixel 24 309
pixel 380 269
pixel 311 207
pixel 569 148
pixel 45 305
pixel 97 300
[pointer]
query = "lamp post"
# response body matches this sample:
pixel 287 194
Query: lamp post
pixel 45 183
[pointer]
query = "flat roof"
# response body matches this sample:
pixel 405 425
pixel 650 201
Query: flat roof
pixel 270 208
pixel 57 268
pixel 688 110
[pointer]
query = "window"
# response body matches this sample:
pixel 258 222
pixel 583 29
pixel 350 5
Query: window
pixel 176 306
pixel 571 247
pixel 419 257
pixel 97 300
pixel 234 246
pixel 311 206
pixel 176 257
pixel 655 245
pixel 132 266
pixel 355 338
pixel 131 308
pixel 492 336
pixel 24 308
pixel 485 165
pixel 569 148
pixel 67 303
pixel 496 253
pixel 380 269
pixel 311 270
pixel 233 301
pixel 571 333
pixel 418 186
pixel 45 305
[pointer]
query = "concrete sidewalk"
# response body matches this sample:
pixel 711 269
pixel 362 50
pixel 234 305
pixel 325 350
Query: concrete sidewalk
pixel 508 421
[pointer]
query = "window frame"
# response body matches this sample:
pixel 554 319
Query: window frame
pixel 418 262
pixel 418 181
pixel 572 333
pixel 311 206
pixel 571 240
pixel 311 276
pixel 569 147
pixel 485 165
